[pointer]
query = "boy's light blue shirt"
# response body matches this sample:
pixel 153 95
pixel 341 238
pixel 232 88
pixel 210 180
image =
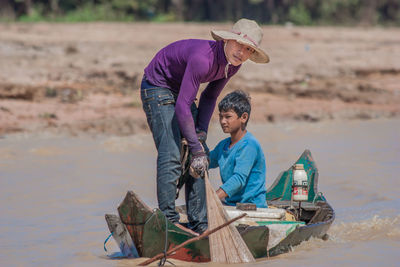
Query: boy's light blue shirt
pixel 242 169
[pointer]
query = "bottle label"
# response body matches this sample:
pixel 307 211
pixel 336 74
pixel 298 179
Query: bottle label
pixel 296 191
pixel 305 192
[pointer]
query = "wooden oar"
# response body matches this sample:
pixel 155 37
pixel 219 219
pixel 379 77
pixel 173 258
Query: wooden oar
pixel 226 245
pixel 202 236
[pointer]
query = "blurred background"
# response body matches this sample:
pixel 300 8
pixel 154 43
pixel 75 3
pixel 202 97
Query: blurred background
pixel 299 12
pixel 74 138
pixel 330 60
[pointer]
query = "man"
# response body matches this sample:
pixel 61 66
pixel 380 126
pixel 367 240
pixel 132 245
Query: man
pixel 168 91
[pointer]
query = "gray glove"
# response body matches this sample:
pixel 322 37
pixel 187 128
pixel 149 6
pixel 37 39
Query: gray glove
pixel 198 164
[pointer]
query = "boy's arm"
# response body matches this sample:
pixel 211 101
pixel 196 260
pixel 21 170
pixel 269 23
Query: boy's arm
pixel 244 162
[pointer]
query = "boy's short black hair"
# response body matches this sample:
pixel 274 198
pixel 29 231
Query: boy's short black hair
pixel 238 101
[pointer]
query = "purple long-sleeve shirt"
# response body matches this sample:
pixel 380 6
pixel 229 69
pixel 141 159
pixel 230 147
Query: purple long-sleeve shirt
pixel 181 67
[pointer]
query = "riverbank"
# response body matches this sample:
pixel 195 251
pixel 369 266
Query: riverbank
pixel 84 78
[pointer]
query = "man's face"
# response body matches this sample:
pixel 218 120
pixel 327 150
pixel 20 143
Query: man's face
pixel 231 122
pixel 237 53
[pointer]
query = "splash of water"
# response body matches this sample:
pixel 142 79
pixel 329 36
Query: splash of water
pixel 373 228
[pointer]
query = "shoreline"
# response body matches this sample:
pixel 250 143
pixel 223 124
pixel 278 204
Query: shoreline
pixel 86 80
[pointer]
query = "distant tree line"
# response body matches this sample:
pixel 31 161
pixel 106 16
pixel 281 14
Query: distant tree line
pixel 301 12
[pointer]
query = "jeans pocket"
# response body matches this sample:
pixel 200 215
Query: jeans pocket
pixel 166 99
pixel 146 97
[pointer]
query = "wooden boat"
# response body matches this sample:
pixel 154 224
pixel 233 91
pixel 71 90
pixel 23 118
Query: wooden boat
pixel 265 236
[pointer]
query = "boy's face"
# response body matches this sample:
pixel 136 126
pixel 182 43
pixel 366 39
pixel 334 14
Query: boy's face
pixel 237 53
pixel 231 122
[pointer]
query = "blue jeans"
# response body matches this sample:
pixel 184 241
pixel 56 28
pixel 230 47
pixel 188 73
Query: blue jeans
pixel 159 106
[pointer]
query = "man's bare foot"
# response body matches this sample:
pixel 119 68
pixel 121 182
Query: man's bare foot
pixel 186 229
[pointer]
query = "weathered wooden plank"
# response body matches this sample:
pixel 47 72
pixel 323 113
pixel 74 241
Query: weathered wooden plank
pixel 121 236
pixel 187 242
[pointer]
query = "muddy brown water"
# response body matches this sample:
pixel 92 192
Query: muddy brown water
pixel 55 190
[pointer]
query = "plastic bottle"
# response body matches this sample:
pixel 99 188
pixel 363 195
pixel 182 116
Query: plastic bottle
pixel 300 183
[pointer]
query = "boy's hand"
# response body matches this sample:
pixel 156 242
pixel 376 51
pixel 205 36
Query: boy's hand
pixel 198 165
pixel 221 193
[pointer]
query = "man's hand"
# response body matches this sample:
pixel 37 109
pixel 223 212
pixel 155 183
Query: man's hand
pixel 198 165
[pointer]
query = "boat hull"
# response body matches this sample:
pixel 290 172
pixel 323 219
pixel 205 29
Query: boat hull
pixel 152 233
pixel 151 238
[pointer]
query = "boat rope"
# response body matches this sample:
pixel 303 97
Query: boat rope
pixel 105 249
pixel 133 224
pixel 185 165
pixel 164 259
pixel 184 156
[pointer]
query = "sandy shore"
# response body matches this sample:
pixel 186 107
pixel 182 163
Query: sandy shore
pixel 76 78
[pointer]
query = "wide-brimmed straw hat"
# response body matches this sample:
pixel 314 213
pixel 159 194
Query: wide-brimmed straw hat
pixel 246 32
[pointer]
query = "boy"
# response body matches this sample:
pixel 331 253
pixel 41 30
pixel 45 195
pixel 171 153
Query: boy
pixel 240 158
